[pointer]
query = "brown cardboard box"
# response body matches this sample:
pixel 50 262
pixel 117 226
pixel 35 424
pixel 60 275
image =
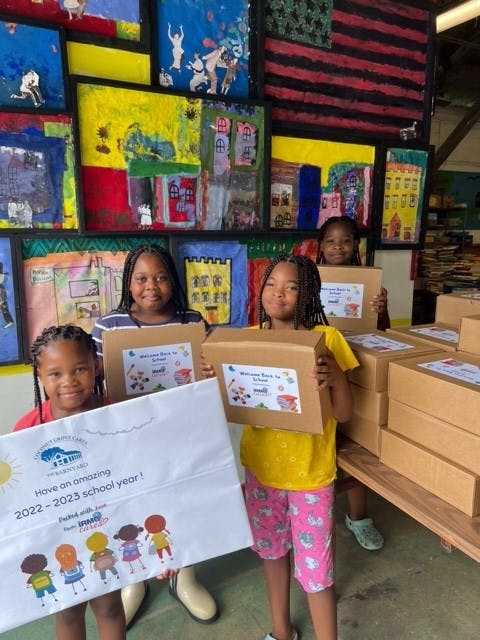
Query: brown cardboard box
pixel 469 340
pixel 452 307
pixel 435 200
pixel 442 336
pixel 143 360
pixel 346 294
pixel 364 432
pixel 450 482
pixel 370 405
pixel 442 438
pixel 374 350
pixel 266 377
pixel 443 396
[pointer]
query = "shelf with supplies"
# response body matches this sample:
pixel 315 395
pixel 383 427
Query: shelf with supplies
pixel 446 226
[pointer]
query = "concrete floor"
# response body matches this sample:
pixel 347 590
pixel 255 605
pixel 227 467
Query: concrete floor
pixel 412 588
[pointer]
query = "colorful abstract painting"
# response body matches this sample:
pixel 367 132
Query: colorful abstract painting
pixel 9 331
pixel 37 172
pixel 203 46
pixel 312 180
pixel 118 19
pixel 404 196
pixel 31 67
pixel 156 161
pixel 349 65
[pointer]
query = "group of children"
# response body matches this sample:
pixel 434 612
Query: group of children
pixel 289 485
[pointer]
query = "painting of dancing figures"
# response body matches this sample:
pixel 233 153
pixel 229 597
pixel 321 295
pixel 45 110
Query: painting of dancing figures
pixel 204 46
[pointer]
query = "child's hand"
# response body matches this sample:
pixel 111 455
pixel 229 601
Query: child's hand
pixel 206 368
pixel 168 573
pixel 378 304
pixel 327 373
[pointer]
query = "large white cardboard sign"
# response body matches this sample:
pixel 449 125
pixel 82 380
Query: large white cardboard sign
pixel 113 496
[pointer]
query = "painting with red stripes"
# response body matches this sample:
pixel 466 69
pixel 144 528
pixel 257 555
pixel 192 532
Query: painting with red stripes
pixel 354 66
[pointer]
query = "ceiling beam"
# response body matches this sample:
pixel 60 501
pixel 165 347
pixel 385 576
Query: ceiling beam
pixel 452 141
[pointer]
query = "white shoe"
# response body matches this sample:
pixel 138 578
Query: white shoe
pixel 192 595
pixel 133 596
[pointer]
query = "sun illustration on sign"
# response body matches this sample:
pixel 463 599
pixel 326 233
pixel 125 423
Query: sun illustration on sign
pixel 9 470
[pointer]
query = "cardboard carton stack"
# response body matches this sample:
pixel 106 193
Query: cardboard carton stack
pixel 369 382
pixel 433 431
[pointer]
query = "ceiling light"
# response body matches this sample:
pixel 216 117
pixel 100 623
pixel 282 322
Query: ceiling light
pixel 453 17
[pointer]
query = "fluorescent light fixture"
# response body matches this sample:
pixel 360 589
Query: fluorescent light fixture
pixel 453 17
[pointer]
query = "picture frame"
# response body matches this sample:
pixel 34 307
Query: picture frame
pixel 313 179
pixel 322 71
pixel 157 161
pixel 404 200
pixel 203 47
pixel 123 24
pixel 33 66
pixel 37 155
pixel 10 324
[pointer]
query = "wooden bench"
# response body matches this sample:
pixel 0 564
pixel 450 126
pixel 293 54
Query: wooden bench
pixel 455 529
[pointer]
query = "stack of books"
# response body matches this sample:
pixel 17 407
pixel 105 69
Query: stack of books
pixel 436 265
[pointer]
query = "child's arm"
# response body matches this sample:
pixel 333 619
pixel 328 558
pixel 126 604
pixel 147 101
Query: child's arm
pixel 206 368
pixel 379 304
pixel 328 374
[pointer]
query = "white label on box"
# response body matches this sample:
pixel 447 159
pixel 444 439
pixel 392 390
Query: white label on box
pixel 150 369
pixel 378 343
pixel 342 300
pixel 455 369
pixel 437 332
pixel 269 388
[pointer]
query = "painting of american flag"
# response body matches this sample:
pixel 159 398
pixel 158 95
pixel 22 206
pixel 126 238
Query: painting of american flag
pixel 349 65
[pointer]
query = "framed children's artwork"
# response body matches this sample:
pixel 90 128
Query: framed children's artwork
pixel 73 280
pixel 32 67
pixel 155 161
pixel 404 197
pixel 38 187
pixel 121 22
pixel 312 180
pixel 10 334
pixel 207 47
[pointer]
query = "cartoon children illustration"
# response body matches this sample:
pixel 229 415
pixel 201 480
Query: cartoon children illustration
pixel 4 310
pixel 70 567
pixel 212 60
pixel 130 545
pixel 198 70
pixel 155 526
pixel 75 5
pixel 102 559
pixel 40 578
pixel 30 88
pixel 176 39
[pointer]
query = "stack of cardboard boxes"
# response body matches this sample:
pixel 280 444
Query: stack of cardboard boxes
pixel 433 432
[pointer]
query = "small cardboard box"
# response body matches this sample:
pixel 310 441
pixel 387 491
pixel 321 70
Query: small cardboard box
pixel 452 307
pixel 446 387
pixel 450 482
pixel 374 350
pixel 144 360
pixel 442 438
pixel 346 294
pixel 371 405
pixel 442 336
pixel 469 340
pixel 266 377
pixel 364 432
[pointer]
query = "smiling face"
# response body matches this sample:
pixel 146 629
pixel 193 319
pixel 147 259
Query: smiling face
pixel 338 244
pixel 151 290
pixel 67 371
pixel 280 295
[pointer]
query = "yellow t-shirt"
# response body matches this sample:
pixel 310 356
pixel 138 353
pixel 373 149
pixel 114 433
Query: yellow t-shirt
pixel 292 460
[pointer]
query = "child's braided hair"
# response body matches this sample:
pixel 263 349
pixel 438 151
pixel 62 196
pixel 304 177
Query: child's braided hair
pixel 179 299
pixel 308 309
pixel 351 226
pixel 59 334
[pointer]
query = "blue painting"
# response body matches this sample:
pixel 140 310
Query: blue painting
pixel 9 350
pixel 203 46
pixel 31 67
